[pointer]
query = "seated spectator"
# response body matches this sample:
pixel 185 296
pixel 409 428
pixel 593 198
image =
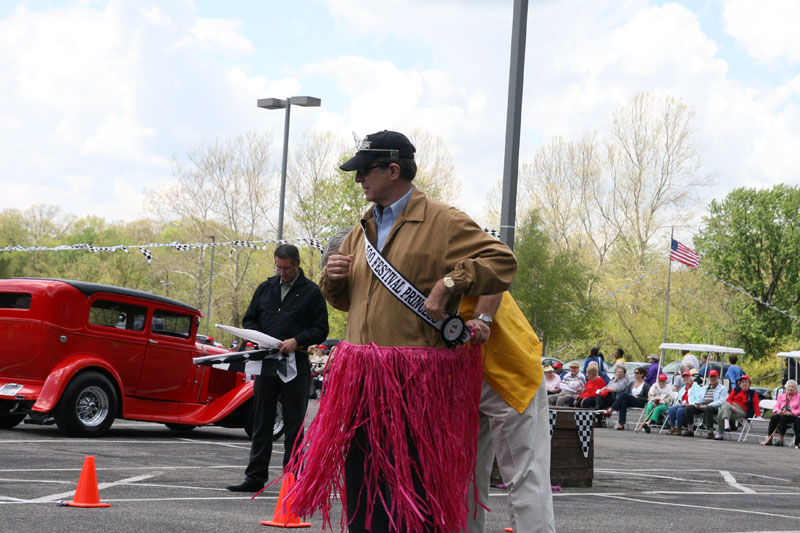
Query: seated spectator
pixel 558 369
pixel 742 403
pixel 596 356
pixel 572 384
pixel 588 398
pixel 677 379
pixel 606 395
pixel 712 397
pixel 785 412
pixel 687 395
pixel 552 381
pixel 652 370
pixel 635 395
pixel 660 398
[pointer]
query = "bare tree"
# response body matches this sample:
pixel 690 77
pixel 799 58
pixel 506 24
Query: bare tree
pixel 436 173
pixel 653 165
pixel 621 200
pixel 228 190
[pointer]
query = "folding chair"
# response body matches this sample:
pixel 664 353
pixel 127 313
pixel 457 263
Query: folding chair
pixel 763 405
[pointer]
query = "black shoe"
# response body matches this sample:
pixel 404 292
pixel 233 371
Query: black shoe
pixel 779 443
pixel 248 485
pixel 646 428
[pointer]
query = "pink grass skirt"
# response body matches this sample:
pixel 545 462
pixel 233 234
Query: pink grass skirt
pixel 428 394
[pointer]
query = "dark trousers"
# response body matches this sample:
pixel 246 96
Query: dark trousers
pixel 354 476
pixel 604 402
pixel 781 422
pixel 588 403
pixel 623 402
pixel 294 401
pixel 709 415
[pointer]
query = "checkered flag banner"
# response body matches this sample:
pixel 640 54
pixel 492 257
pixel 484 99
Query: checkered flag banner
pixel 583 419
pixel 493 232
pixel 147 255
pixel 553 416
pixel 316 244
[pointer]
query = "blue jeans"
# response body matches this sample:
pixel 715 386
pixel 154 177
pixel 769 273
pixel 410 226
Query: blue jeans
pixel 623 402
pixel 677 416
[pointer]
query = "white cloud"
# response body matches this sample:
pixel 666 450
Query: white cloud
pixel 222 35
pixel 769 31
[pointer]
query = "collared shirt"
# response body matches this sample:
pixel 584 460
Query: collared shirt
pixel 286 287
pixel 384 217
pixel 708 397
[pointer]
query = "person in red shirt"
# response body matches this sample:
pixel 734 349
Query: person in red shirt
pixel 593 384
pixel 742 403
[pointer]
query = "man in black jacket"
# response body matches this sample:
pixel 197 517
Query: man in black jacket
pixel 290 307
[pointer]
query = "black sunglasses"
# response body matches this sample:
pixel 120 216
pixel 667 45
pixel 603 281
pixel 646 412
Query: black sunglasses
pixel 366 170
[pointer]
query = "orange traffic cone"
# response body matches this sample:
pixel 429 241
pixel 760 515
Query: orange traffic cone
pixel 87 493
pixel 284 517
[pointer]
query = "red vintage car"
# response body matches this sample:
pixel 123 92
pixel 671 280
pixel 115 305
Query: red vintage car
pixel 81 354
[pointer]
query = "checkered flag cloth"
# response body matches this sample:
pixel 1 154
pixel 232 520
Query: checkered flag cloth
pixel 181 247
pixel 313 242
pixel 553 416
pixel 147 255
pixel 583 419
pixel 493 232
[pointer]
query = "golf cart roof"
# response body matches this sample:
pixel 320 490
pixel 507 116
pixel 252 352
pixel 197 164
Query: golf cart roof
pixel 795 354
pixel 699 347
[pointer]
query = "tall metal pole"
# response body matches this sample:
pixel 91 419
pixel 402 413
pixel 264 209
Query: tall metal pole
pixel 666 308
pixel 210 282
pixel 283 168
pixel 508 211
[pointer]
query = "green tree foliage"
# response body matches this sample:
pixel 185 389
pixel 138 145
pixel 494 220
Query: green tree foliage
pixel 752 240
pixel 550 288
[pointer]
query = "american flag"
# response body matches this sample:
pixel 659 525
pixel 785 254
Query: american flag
pixel 684 254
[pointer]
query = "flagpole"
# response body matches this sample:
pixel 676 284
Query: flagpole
pixel 666 311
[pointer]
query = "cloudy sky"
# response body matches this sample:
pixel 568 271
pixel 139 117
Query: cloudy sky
pixel 97 96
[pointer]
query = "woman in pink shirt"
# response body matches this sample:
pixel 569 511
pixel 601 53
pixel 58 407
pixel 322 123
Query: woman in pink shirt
pixel 785 411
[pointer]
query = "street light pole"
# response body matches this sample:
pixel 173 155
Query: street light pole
pixel 277 103
pixel 210 282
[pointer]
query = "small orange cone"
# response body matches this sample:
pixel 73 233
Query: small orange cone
pixel 284 517
pixel 87 493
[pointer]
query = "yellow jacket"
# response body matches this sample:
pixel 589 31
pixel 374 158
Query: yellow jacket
pixel 512 365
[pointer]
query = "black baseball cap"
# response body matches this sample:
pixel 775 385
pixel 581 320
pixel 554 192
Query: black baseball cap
pixel 383 144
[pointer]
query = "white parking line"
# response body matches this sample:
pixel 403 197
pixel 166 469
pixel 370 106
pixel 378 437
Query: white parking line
pixel 730 480
pixel 195 441
pixel 702 507
pixel 115 468
pixel 100 486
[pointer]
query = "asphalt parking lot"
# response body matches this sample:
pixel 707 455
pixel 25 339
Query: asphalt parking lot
pixel 159 480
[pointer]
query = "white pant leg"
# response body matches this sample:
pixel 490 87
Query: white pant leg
pixel 476 521
pixel 521 443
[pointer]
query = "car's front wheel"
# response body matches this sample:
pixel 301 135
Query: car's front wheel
pixel 88 406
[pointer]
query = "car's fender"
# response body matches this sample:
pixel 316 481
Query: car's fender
pixel 58 379
pixel 217 409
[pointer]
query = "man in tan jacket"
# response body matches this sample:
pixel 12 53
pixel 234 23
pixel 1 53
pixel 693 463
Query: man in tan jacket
pixel 396 365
